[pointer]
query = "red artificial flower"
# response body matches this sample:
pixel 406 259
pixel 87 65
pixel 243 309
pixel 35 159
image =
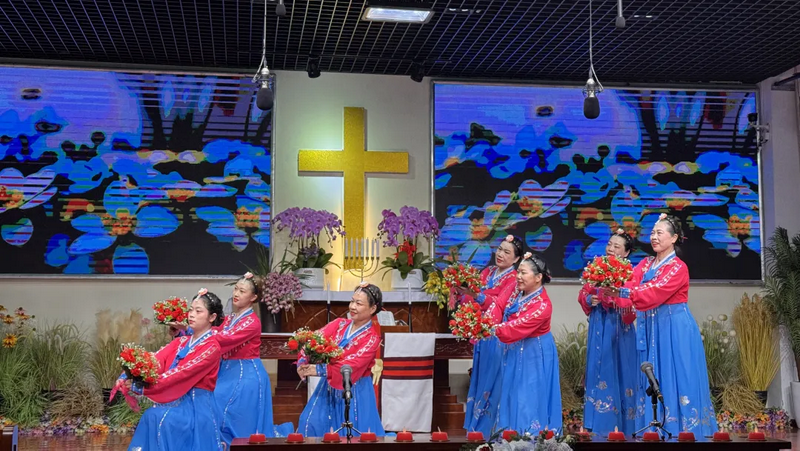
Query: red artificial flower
pixel 293 345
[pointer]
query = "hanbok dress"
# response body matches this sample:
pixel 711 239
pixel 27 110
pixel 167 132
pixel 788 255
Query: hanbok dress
pixel 244 393
pixel 612 371
pixel 185 416
pixel 325 408
pixel 668 337
pixel 530 395
pixel 484 383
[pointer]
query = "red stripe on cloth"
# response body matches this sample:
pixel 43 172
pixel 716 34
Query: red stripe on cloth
pixel 404 359
pixel 419 373
pixel 407 364
pixel 409 378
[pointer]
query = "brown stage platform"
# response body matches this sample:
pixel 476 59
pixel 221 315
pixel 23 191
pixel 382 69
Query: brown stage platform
pixel 8 441
pixel 422 442
pixel 288 403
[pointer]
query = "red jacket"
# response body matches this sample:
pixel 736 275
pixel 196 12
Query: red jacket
pixel 243 340
pixel 531 320
pixel 197 370
pixel 669 286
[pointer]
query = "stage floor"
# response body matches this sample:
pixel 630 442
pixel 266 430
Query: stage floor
pixel 112 442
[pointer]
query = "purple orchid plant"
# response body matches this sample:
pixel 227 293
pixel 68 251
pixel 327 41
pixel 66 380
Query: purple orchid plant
pixel 403 233
pixel 306 227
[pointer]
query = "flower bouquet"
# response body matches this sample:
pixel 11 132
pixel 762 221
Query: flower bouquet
pixel 403 233
pixel 316 347
pixel 468 323
pixel 607 271
pixel 139 365
pixel 442 284
pixel 305 227
pixel 281 291
pixel 171 310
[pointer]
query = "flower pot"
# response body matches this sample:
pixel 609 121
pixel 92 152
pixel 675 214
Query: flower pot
pixel 313 278
pixel 413 280
pixel 762 396
pixel 270 322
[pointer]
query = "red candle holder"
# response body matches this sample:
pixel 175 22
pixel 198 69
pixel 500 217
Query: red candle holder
pixel 509 435
pixel 368 437
pixel 651 437
pixel 583 436
pixel 722 436
pixel 439 436
pixel 686 436
pixel 475 436
pixel 616 436
pixel 331 437
pixel 257 438
pixel 756 436
pixel 405 437
pixel 295 438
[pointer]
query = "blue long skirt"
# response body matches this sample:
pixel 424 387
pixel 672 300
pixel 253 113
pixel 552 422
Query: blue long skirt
pixel 530 395
pixel 612 373
pixel 186 424
pixel 669 338
pixel 244 398
pixel 484 386
pixel 325 410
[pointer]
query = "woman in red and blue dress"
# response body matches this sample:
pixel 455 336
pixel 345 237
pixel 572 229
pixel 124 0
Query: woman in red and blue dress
pixel 360 341
pixel 497 280
pixel 611 359
pixel 244 393
pixel 185 416
pixel 668 337
pixel 530 391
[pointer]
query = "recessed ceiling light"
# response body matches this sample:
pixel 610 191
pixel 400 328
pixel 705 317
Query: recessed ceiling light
pixel 403 11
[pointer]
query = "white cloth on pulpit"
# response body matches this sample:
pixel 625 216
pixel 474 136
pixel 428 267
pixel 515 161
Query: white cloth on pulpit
pixel 407 382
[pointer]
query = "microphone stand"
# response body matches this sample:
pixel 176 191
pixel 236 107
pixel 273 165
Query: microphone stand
pixel 347 425
pixel 657 425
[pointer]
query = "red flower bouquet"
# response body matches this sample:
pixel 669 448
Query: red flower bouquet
pixel 607 271
pixel 461 276
pixel 469 323
pixel 316 347
pixel 171 310
pixel 139 365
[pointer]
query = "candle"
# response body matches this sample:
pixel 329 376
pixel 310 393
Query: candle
pixel 377 251
pixel 344 248
pixel 257 438
pixel 651 437
pixel 330 437
pixel 722 436
pixel 475 436
pixel 404 437
pixel 366 248
pixel 616 436
pixel 509 435
pixel 439 436
pixel 584 436
pixel 329 293
pixel 368 437
pixel 686 436
pixel 756 436
pixel 295 438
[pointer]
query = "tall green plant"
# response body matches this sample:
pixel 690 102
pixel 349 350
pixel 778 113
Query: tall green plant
pixel 722 357
pixel 782 285
pixel 571 346
pixel 59 353
pixel 22 401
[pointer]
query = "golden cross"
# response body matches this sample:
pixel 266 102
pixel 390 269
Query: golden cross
pixel 354 162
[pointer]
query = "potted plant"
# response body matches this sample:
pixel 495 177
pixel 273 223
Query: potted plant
pixel 759 356
pixel 308 259
pixel 782 293
pixel 409 266
pixel 719 343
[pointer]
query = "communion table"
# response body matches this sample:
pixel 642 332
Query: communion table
pixel 318 307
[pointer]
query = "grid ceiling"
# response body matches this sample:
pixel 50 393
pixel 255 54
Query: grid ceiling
pixel 685 41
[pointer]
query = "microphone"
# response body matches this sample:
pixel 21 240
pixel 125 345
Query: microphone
pixel 591 105
pixel 346 371
pixel 620 22
pixel 264 98
pixel 647 369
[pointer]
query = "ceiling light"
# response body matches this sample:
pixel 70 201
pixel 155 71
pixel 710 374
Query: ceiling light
pixel 405 11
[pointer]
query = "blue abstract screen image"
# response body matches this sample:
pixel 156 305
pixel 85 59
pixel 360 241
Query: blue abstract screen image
pixel 523 160
pixel 131 173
